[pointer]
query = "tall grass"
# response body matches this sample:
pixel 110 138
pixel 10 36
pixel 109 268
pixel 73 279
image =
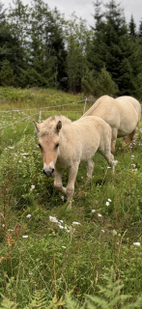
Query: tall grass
pixel 48 252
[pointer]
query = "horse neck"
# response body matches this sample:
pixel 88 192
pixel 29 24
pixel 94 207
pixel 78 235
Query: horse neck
pixel 92 108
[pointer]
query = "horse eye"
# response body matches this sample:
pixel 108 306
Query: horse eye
pixel 39 146
pixel 57 145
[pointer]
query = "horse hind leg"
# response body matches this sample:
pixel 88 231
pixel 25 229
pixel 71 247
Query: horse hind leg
pixel 129 139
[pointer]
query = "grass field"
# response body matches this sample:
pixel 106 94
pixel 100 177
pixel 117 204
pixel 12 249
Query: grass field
pixel 86 257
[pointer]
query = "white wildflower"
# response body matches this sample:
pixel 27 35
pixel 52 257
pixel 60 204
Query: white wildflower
pixel 24 154
pixel 136 243
pixel 76 223
pixel 132 157
pixel 11 147
pixel 63 247
pixel 107 203
pixel 109 200
pixel 29 216
pixel 61 227
pixel 53 219
pixel 102 231
pixel 3 225
pixel 20 161
pixel 114 233
pixel 32 187
pixel 108 167
pixel 93 210
pixel 99 215
pixel 61 221
pixel 81 177
pixel 10 230
pixel 134 165
pixel 25 236
pixel 62 198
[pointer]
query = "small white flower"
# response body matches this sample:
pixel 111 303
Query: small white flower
pixel 102 231
pixel 62 198
pixel 61 227
pixel 53 219
pixel 24 154
pixel 61 221
pixel 76 223
pixel 109 200
pixel 107 203
pixel 11 147
pixel 136 243
pixel 20 161
pixel 132 157
pixel 99 215
pixel 29 216
pixel 108 167
pixel 93 210
pixel 25 236
pixel 115 162
pixel 63 247
pixel 10 230
pixel 3 225
pixel 134 165
pixel 114 233
pixel 32 187
pixel 81 177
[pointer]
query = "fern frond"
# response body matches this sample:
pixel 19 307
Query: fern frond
pixel 71 303
pixel 38 301
pixel 7 304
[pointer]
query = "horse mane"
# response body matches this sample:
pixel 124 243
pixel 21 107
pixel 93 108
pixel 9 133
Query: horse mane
pixel 48 126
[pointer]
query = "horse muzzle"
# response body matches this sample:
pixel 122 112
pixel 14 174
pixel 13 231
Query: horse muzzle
pixel 48 173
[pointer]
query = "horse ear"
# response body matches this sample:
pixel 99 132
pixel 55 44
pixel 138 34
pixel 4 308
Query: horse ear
pixel 36 126
pixel 59 126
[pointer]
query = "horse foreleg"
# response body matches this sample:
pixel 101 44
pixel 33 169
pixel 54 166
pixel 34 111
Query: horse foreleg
pixel 113 140
pixel 70 186
pixel 58 180
pixel 90 167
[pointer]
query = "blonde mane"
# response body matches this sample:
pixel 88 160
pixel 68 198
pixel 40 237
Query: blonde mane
pixel 49 125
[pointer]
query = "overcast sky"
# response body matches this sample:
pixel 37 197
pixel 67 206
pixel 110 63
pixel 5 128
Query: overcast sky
pixel 85 8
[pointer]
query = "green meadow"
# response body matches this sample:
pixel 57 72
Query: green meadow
pixel 50 257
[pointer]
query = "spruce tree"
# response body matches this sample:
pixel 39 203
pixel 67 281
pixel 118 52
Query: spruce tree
pixel 132 27
pixel 113 47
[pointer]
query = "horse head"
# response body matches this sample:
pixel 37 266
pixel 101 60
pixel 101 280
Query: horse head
pixel 49 141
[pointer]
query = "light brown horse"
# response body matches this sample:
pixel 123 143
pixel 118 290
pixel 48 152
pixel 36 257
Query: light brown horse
pixel 64 144
pixel 120 114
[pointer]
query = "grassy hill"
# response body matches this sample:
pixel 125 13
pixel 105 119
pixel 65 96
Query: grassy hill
pixel 48 252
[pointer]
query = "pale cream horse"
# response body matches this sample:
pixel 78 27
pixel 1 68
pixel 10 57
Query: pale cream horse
pixel 64 144
pixel 120 114
pixel 137 107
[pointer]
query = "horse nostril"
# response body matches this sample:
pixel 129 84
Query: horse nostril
pixel 52 170
pixel 44 172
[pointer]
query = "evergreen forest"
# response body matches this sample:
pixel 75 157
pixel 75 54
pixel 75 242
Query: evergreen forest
pixel 40 48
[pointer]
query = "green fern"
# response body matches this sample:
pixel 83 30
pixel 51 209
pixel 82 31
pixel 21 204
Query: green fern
pixel 38 301
pixel 72 303
pixel 110 297
pixel 7 304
